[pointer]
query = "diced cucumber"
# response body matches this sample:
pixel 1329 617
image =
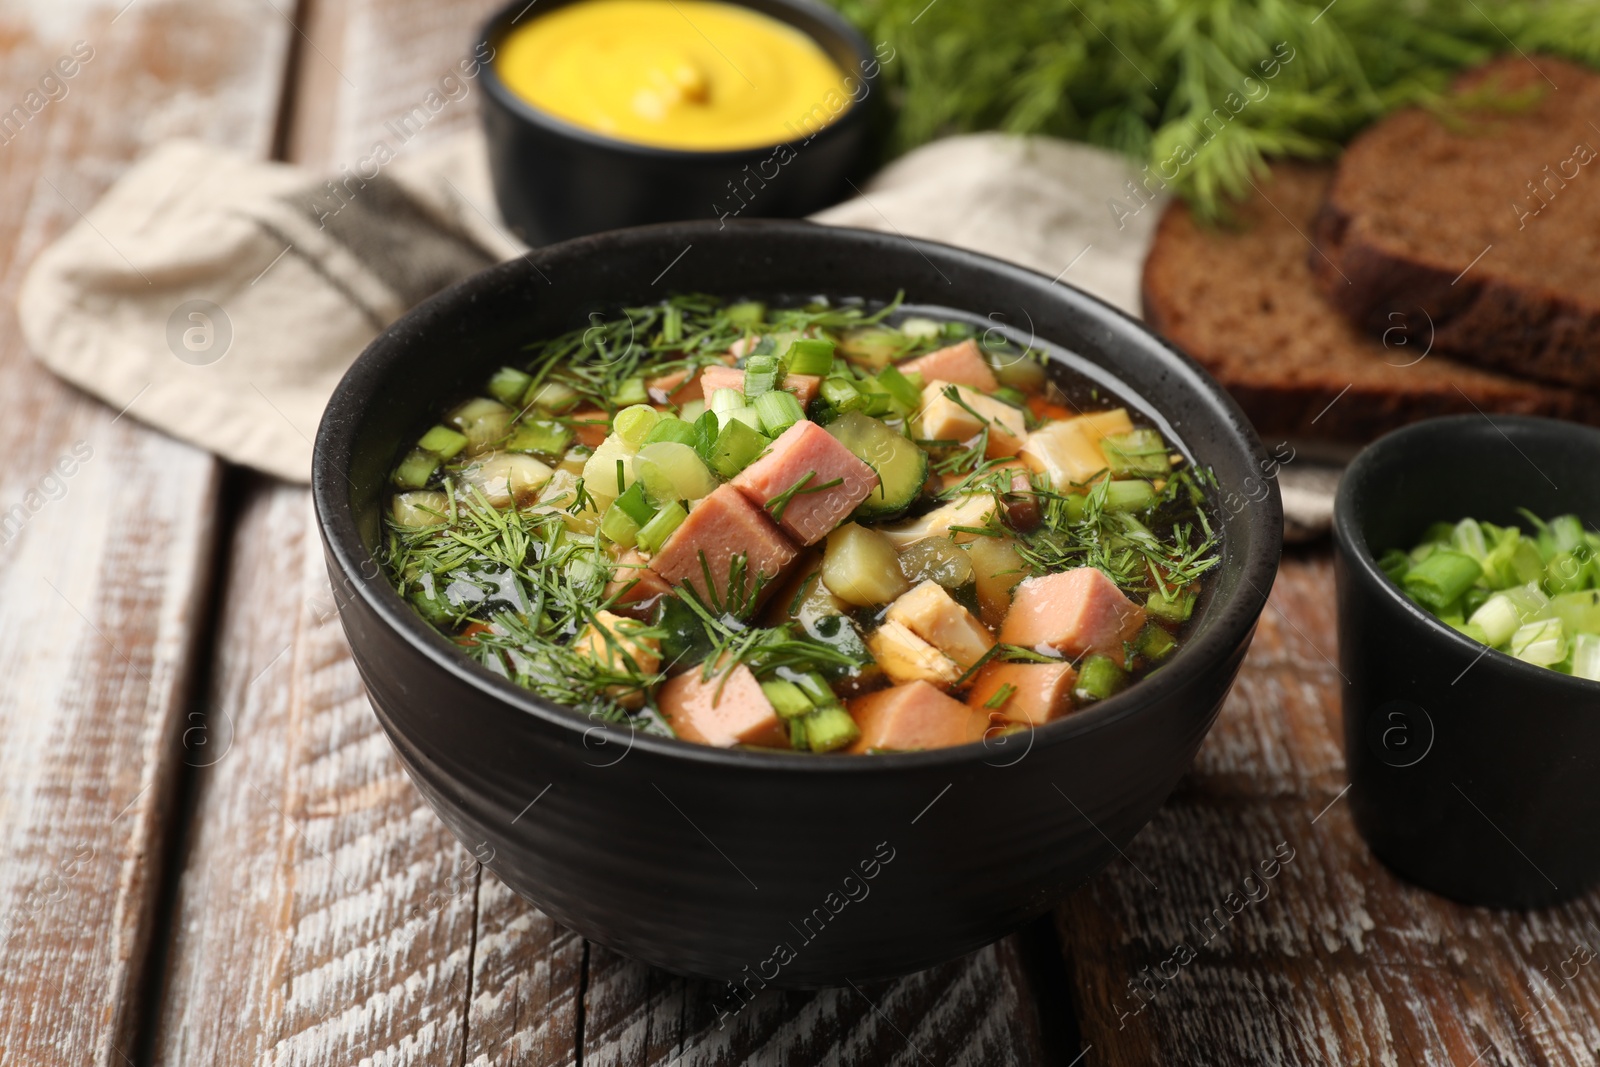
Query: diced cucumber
pixel 1142 453
pixel 631 391
pixel 901 466
pixel 415 470
pixel 544 437
pixel 1176 608
pixel 508 385
pixel 746 315
pixel 671 472
pixel 1098 678
pixel 1155 643
pixel 1129 496
pixel 443 442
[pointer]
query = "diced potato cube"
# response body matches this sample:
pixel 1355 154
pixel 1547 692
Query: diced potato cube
pixel 1065 453
pixel 624 644
pixel 973 511
pixel 944 418
pixel 507 478
pixel 933 615
pixel 860 567
pixel 905 657
pixel 417 510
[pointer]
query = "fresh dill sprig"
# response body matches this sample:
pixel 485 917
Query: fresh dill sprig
pixel 1145 78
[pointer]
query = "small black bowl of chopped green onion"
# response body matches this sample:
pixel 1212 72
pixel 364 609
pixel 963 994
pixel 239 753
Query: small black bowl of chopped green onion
pixel 1468 571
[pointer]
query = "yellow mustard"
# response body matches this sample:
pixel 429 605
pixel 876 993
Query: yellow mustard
pixel 690 74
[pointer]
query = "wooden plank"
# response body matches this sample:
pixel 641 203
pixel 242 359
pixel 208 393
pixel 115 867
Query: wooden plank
pixel 1334 960
pixel 103 570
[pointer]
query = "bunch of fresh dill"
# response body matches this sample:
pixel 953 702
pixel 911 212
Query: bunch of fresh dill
pixel 1143 76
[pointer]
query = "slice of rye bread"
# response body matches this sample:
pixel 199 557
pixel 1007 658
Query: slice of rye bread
pixel 1243 304
pixel 1489 223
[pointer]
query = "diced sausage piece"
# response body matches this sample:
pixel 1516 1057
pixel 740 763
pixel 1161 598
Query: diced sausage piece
pixel 723 526
pixel 1065 453
pixel 714 378
pixel 726 710
pixel 807 449
pixel 933 615
pixel 1038 692
pixel 960 363
pixel 912 717
pixel 1074 612
pixel 905 657
pixel 944 418
pixel 679 387
pixel 631 569
pixel 803 386
pixel 618 648
pixel 590 426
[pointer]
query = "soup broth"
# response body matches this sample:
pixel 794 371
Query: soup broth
pixel 819 528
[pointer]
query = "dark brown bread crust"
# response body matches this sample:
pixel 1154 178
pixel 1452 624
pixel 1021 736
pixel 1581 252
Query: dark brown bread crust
pixel 1243 304
pixel 1489 224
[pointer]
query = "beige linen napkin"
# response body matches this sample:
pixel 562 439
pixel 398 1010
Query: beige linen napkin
pixel 220 298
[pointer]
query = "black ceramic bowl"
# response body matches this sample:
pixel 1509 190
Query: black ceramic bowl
pixel 554 180
pixel 1472 773
pixel 806 870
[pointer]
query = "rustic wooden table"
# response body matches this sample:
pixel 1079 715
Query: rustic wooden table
pixel 210 855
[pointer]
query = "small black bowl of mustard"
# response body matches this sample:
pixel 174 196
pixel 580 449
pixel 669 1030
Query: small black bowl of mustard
pixel 602 114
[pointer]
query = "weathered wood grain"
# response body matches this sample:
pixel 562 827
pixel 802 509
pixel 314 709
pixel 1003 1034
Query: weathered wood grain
pixel 324 916
pixel 107 526
pixel 1336 961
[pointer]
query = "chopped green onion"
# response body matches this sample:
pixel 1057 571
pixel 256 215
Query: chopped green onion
pixel 657 530
pixel 1175 608
pixel 829 729
pixel 726 400
pixel 692 410
pixel 415 470
pixel 1394 563
pixel 1441 578
pixel 634 423
pixel 1586 657
pixel 619 526
pixel 672 429
pixel 778 411
pixel 1498 619
pixel 809 355
pixel 1098 678
pixel 442 441
pixel 633 503
pixel 842 394
pixel 553 397
pixel 760 376
pixel 670 471
pixel 672 324
pixel 786 699
pixel 508 384
pixel 746 315
pixel 735 447
pixel 1155 643
pixel 631 391
pixel 816 688
pixel 1542 643
pixel 906 394
pixel 1468 537
pixel 747 415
